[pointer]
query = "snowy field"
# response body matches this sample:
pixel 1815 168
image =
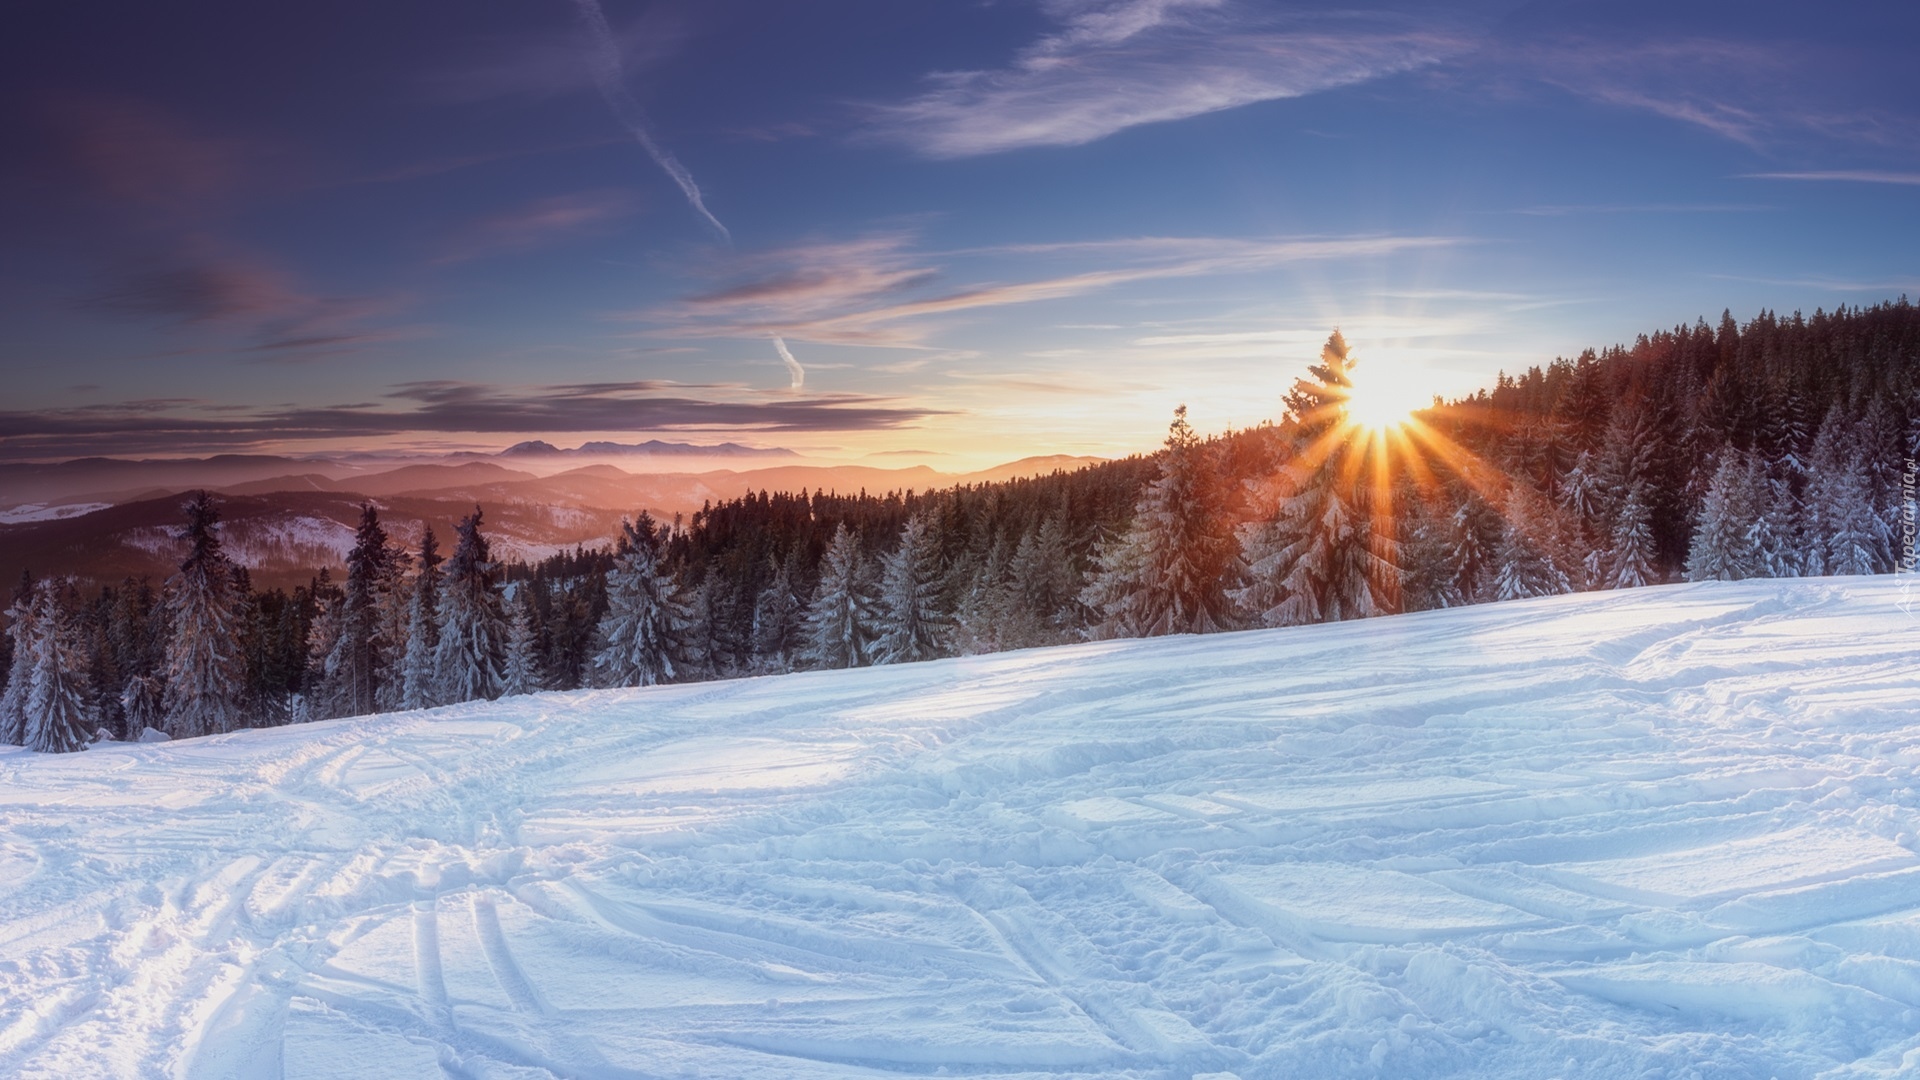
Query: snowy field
pixel 1662 833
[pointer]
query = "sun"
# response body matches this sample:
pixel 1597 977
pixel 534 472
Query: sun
pixel 1380 405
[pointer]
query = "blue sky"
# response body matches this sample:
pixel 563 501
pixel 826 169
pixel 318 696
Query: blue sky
pixel 981 230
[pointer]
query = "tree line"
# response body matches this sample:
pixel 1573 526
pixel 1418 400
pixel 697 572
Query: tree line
pixel 1780 448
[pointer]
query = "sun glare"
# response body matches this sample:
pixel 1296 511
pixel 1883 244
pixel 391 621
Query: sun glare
pixel 1381 405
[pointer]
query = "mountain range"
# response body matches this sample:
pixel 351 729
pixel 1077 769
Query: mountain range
pixel 105 519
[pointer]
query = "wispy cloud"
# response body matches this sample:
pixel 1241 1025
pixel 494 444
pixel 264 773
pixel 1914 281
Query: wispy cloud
pixel 538 223
pixel 442 407
pixel 1758 93
pixel 542 65
pixel 1847 176
pixel 253 305
pixel 798 373
pixel 1115 64
pixel 1885 288
pixel 160 171
pixel 879 291
pixel 1581 210
pixel 603 62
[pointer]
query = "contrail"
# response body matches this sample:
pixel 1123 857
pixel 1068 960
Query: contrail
pixel 604 61
pixel 793 366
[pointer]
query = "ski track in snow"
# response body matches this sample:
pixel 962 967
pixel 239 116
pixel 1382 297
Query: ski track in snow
pixel 1668 832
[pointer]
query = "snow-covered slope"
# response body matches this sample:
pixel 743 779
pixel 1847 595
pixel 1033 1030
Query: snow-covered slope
pixel 1668 832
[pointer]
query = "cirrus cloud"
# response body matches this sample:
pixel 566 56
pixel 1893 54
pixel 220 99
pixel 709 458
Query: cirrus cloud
pixel 1116 65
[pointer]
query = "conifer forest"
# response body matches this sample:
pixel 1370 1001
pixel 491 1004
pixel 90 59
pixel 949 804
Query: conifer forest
pixel 1780 448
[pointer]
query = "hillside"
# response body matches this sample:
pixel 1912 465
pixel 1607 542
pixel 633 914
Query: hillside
pixel 286 526
pixel 1650 832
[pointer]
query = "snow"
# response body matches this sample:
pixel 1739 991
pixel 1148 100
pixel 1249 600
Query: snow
pixel 31 512
pixel 1664 832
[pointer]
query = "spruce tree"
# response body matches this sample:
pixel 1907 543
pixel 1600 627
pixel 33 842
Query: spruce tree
pixel 840 616
pixel 473 631
pixel 1629 560
pixel 20 631
pixel 418 688
pixel 60 716
pixel 694 640
pixel 1428 578
pixel 1846 535
pixel 1040 587
pixel 140 703
pixel 1170 572
pixel 1320 556
pixel 1725 544
pixel 361 661
pixel 206 669
pixel 1473 538
pixel 911 625
pixel 634 642
pixel 1525 563
pixel 778 617
pixel 522 670
pixel 985 585
pixel 1778 533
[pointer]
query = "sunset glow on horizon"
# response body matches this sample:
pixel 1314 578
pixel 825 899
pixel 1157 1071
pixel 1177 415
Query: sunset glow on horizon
pixel 949 235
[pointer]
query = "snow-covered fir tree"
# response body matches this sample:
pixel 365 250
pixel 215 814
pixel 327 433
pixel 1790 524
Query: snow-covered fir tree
pixel 522 674
pixel 473 631
pixel 779 617
pixel 140 705
pixel 1040 587
pixel 13 700
pixel 1524 558
pixel 1320 555
pixel 1726 535
pixel 1169 573
pixel 60 715
pixel 910 624
pixel 840 617
pixel 1428 580
pixel 984 582
pixel 1845 534
pixel 1629 559
pixel 1779 530
pixel 360 664
pixel 393 618
pixel 418 688
pixel 1473 539
pixel 206 668
pixel 635 636
pixel 696 646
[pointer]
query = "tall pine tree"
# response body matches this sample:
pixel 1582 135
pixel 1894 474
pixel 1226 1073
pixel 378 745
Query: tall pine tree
pixel 779 617
pixel 1324 553
pixel 1169 573
pixel 521 674
pixel 362 656
pixel 206 668
pixel 60 715
pixel 20 632
pixel 911 625
pixel 473 632
pixel 840 616
pixel 635 638
pixel 418 688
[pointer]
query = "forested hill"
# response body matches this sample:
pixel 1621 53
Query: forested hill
pixel 1794 395
pixel 1780 448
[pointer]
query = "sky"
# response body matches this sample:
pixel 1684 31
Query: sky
pixel 946 233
